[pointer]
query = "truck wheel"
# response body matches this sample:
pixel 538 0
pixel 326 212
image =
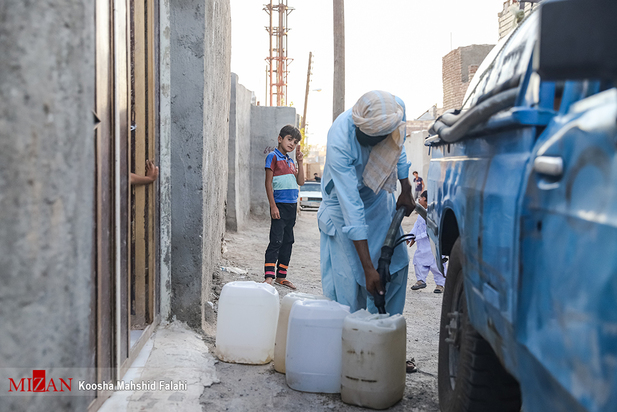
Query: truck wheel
pixel 470 376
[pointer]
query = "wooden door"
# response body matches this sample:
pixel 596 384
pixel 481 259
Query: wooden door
pixel 124 274
pixel 110 313
pixel 103 273
pixel 143 145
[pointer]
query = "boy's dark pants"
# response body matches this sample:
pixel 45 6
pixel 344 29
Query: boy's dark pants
pixel 281 240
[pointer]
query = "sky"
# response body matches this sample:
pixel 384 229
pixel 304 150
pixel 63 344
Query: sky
pixel 392 45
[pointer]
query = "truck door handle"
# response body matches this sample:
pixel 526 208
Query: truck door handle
pixel 548 165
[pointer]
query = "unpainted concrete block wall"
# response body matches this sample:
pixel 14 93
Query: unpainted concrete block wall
pixel 164 117
pixel 216 97
pixel 46 192
pixel 266 122
pixel 200 87
pixel 239 156
pixel 187 21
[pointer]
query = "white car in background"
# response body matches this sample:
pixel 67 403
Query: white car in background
pixel 310 195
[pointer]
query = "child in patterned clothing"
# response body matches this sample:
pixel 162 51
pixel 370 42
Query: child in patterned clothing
pixel 282 180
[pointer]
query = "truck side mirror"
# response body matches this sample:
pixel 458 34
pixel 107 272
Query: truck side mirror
pixel 578 40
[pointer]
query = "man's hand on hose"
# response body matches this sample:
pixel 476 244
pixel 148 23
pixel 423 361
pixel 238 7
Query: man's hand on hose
pixel 405 199
pixel 373 283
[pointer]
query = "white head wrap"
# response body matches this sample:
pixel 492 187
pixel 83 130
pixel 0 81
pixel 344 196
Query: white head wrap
pixel 377 113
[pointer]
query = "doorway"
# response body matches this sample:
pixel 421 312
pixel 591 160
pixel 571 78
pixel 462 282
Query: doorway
pixel 143 148
pixel 124 309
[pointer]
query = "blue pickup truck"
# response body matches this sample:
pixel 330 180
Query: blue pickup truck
pixel 522 197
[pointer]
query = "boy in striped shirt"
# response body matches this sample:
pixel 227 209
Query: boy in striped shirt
pixel 282 180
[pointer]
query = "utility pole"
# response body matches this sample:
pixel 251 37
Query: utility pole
pixel 338 104
pixel 308 81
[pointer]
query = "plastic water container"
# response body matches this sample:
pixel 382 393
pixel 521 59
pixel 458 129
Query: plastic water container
pixel 246 322
pixel 314 346
pixel 280 344
pixel 374 353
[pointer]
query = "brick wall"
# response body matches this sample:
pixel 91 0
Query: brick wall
pixel 451 79
pixel 458 68
pixel 506 19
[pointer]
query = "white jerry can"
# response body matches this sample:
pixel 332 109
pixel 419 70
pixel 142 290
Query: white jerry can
pixel 280 343
pixel 246 322
pixel 314 345
pixel 374 353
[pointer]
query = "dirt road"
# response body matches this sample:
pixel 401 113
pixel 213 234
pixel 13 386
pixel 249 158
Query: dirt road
pixel 260 388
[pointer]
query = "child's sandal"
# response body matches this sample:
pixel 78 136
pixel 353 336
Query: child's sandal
pixel 285 282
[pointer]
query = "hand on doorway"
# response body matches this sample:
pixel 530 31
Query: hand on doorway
pixel 152 173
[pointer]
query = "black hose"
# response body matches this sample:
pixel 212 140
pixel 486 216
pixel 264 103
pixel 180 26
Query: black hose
pixel 464 122
pixel 404 239
pixel 387 250
pixel 394 226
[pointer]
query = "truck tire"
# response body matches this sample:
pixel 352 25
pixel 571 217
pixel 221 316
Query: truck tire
pixel 470 376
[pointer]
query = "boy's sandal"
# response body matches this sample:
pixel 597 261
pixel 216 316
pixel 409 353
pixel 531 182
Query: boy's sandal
pixel 286 283
pixel 410 366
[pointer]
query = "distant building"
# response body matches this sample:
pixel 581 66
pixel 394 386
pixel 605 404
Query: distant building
pixel 458 68
pixel 424 121
pixel 506 15
pixel 417 131
pixel 315 161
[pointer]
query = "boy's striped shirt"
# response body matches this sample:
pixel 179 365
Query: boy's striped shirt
pixel 284 181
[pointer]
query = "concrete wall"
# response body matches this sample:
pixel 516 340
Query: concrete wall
pixel 266 122
pixel 165 159
pixel 216 97
pixel 46 192
pixel 187 113
pixel 200 55
pixel 239 156
pixel 417 153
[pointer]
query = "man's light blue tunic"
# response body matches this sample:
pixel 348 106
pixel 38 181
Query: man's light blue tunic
pixel 351 211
